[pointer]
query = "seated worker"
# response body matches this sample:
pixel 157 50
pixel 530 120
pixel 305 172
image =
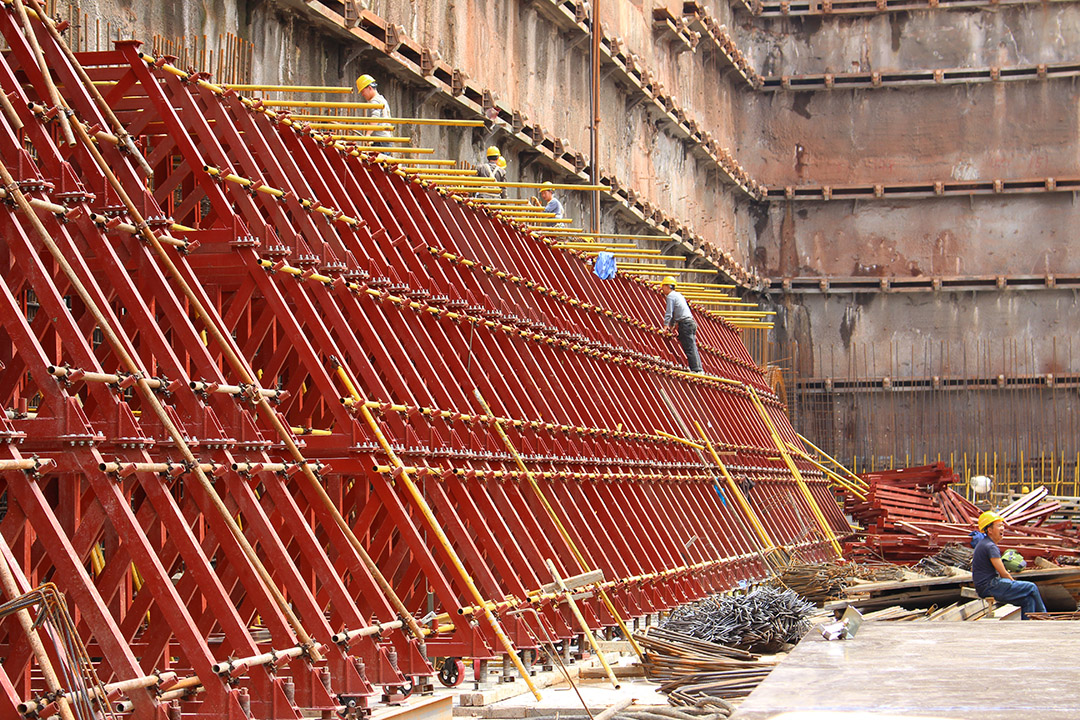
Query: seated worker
pixel 369 93
pixel 990 576
pixel 494 168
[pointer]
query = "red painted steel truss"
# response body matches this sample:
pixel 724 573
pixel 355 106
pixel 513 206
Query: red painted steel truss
pixel 238 425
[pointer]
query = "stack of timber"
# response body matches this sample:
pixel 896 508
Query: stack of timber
pixel 1060 586
pixel 912 513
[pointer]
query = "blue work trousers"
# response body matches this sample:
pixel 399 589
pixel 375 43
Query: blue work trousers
pixel 687 330
pixel 1016 592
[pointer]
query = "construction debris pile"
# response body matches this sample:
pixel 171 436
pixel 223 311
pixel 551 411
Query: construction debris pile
pixel 912 513
pixel 764 619
pixel 699 673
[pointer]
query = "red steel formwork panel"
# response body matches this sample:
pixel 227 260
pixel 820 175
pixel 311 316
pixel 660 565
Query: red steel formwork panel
pixel 244 425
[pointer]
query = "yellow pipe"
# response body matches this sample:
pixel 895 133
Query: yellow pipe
pixel 659 270
pixel 622 236
pixel 417 151
pixel 733 488
pixel 394 121
pixel 858 480
pixel 639 256
pixel 645 253
pixel 581 620
pixel 687 283
pixel 678 439
pixel 438 171
pixel 324 104
pixel 547 220
pixel 500 201
pixel 799 481
pixel 433 523
pixel 416 161
pixel 582 561
pixel 514 184
pixel 605 246
pixel 310 431
pixel 292 88
pixel 371 138
pixel 829 473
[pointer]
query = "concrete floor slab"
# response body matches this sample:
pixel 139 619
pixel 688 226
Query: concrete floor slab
pixel 984 670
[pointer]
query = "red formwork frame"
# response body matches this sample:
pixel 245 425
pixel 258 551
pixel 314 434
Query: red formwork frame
pixel 349 277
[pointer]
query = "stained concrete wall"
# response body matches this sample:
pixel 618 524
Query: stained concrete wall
pixel 899 41
pixel 982 235
pixel 901 334
pixel 975 132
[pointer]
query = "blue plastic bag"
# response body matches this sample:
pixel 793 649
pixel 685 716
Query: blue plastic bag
pixel 605 266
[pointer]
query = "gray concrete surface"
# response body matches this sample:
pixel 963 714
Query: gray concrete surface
pixel 984 670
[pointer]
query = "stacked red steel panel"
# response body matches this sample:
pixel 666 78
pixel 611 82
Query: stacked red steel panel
pixel 248 387
pixel 911 513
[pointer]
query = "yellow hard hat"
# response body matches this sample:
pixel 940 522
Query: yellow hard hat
pixel 501 162
pixel 987 519
pixel 668 280
pixel 363 81
pixel 547 186
pixel 493 152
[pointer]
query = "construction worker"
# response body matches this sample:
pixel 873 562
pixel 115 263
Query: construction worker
pixel 492 169
pixel 677 315
pixel 989 575
pixel 551 203
pixel 369 93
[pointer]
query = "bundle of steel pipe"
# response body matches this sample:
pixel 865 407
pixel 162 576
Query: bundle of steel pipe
pixel 260 403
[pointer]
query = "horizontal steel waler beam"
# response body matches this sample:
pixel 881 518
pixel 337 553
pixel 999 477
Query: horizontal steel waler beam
pixel 919 78
pixel 783 8
pixel 936 383
pixel 930 189
pixel 948 283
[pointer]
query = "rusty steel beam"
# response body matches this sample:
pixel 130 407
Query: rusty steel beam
pixel 919 78
pixel 927 189
pixel 957 283
pixel 785 8
pixel 935 383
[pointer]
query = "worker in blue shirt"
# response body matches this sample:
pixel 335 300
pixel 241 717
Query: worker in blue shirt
pixel 677 315
pixel 989 575
pixel 551 203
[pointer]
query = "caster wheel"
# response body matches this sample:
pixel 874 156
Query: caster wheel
pixel 452 672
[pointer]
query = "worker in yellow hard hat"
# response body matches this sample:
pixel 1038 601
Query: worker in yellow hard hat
pixel 491 169
pixel 990 576
pixel 550 202
pixel 677 316
pixel 369 93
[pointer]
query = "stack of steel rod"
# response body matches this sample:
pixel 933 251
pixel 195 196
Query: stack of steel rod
pixel 761 619
pixel 816 581
pixel 697 672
